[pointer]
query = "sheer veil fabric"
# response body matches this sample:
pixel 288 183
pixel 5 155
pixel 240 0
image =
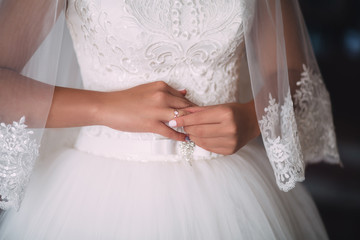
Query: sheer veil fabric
pixel 292 103
pixel 28 52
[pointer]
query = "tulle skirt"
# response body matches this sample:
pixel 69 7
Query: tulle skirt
pixel 77 195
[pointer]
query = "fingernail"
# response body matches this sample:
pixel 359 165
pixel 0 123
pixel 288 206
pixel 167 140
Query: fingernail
pixel 172 123
pixel 181 89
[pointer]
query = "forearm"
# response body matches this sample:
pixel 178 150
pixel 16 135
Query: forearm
pixel 74 108
pixel 143 108
pixel 43 104
pixel 23 96
pixel 254 129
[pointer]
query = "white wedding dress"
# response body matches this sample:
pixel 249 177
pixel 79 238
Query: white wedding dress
pixel 120 185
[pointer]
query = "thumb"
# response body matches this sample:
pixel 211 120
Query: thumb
pixel 182 91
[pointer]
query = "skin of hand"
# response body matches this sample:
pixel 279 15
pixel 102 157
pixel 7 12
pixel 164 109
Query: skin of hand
pixel 144 108
pixel 221 129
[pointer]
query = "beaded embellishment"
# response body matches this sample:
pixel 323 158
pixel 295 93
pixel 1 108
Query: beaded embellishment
pixel 187 149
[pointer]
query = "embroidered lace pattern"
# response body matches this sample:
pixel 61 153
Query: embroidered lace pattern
pixel 18 154
pixel 144 41
pixel 284 151
pixel 307 131
pixel 174 41
pixel 314 119
pixel 196 45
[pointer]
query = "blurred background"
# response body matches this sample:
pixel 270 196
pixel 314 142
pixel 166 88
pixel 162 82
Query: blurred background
pixel 334 27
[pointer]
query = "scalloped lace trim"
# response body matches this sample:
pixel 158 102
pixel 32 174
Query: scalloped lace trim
pixel 307 130
pixel 284 152
pixel 314 119
pixel 18 154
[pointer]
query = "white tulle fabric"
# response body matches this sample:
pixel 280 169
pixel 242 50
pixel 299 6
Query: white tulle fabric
pixel 30 48
pixel 76 195
pixel 292 103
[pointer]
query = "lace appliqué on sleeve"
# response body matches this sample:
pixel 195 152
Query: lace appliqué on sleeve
pixel 18 154
pixel 314 119
pixel 307 131
pixel 283 152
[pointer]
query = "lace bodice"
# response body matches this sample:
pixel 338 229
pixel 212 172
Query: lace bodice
pixel 197 45
pixel 189 44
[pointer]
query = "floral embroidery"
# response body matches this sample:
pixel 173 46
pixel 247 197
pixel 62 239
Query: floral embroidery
pixel 306 131
pixel 178 42
pixel 173 41
pixel 314 119
pixel 18 154
pixel 284 152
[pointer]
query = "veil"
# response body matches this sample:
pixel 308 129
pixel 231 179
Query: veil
pixel 33 58
pixel 292 103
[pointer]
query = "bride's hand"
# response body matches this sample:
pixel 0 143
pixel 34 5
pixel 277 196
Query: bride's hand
pixel 144 108
pixel 222 129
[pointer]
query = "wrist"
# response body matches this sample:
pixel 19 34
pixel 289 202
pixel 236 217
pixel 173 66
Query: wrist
pixel 74 108
pixel 255 130
pixel 96 108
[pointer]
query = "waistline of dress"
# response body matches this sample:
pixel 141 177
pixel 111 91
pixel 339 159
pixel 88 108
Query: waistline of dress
pixel 135 149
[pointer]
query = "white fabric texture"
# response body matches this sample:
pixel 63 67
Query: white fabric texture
pixel 30 48
pixel 120 185
pixel 216 50
pixel 76 195
pixel 292 103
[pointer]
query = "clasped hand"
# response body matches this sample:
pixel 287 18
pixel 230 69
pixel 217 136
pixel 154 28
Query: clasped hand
pixel 222 129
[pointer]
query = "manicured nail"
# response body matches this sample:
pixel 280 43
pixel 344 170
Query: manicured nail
pixel 181 89
pixel 172 123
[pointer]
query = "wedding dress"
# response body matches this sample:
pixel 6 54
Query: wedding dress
pixel 121 185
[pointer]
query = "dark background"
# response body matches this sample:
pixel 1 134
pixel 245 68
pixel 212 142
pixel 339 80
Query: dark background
pixel 334 27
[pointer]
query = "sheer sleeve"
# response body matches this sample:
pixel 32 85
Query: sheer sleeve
pixel 291 100
pixel 27 52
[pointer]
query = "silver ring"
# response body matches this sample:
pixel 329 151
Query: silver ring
pixel 176 113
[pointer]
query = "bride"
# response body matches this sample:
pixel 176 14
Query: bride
pixel 174 95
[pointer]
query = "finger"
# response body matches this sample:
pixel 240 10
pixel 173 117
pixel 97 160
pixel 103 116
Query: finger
pixel 206 130
pixel 164 87
pixel 165 131
pixel 166 114
pixel 204 143
pixel 176 113
pixel 178 102
pixel 210 143
pixel 178 93
pixel 202 117
pixel 221 145
pixel 196 108
pixel 182 91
